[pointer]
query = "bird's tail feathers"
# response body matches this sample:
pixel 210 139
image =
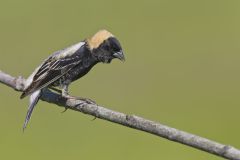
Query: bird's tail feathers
pixel 32 103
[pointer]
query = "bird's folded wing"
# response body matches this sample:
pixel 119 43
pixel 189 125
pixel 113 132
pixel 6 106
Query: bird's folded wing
pixel 51 70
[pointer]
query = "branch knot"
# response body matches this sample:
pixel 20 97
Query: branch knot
pixel 20 85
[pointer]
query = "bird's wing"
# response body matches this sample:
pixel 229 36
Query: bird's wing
pixel 53 68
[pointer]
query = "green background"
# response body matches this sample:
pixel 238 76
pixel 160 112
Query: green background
pixel 182 69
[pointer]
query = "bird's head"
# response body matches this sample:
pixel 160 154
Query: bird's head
pixel 105 47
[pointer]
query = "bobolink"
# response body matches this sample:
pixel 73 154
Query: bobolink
pixel 67 65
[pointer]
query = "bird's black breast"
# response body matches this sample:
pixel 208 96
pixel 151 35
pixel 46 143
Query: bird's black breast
pixel 79 70
pixel 85 65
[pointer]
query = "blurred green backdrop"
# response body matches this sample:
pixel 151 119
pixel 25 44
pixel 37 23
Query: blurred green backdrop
pixel 182 69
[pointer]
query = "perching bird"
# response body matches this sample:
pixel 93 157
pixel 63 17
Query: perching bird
pixel 67 65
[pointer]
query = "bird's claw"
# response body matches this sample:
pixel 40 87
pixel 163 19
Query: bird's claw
pixel 64 110
pixel 68 96
pixel 94 118
pixel 87 100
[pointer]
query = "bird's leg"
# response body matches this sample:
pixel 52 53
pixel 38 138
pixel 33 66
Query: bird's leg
pixel 66 95
pixel 64 91
pixel 64 88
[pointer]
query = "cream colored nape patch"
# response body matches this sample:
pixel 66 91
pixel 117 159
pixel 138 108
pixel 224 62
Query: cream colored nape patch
pixel 98 38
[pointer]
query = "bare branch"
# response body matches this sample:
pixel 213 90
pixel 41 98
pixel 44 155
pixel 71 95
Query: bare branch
pixel 15 83
pixel 132 121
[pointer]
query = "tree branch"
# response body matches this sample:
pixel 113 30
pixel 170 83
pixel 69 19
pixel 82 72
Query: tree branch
pixel 131 121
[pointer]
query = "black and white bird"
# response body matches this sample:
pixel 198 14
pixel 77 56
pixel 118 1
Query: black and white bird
pixel 67 65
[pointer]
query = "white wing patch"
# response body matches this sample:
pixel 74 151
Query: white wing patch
pixel 69 51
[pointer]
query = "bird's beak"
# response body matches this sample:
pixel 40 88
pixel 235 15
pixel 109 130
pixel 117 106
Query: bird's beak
pixel 119 55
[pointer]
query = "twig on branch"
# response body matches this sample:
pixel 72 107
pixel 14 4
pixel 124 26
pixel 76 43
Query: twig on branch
pixel 132 121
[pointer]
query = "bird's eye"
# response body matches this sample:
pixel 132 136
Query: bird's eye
pixel 115 45
pixel 115 48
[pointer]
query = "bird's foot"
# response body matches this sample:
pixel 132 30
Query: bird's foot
pixel 64 110
pixel 94 118
pixel 84 101
pixel 87 100
pixel 67 96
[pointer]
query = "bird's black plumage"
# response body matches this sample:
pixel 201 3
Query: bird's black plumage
pixel 66 69
pixel 70 64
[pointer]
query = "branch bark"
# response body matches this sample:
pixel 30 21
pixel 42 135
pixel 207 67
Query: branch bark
pixel 131 121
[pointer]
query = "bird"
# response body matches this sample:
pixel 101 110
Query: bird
pixel 65 66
